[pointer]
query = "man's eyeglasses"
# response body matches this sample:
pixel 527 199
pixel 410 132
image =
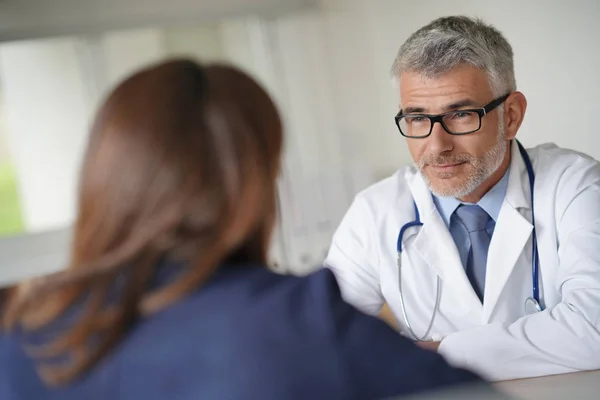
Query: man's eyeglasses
pixel 459 122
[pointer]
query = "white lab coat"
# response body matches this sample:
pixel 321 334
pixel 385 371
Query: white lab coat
pixel 497 340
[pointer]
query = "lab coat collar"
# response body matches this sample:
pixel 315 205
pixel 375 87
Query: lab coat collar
pixel 517 192
pixel 511 233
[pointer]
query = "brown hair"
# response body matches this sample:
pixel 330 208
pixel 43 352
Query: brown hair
pixel 5 295
pixel 181 163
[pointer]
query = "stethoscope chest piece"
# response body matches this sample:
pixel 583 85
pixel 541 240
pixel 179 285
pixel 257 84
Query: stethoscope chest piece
pixel 532 306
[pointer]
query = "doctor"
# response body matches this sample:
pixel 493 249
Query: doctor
pixel 484 251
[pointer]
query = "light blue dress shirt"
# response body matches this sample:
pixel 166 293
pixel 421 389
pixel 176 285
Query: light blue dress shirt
pixel 491 202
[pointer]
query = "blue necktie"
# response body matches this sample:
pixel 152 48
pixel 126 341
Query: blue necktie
pixel 476 220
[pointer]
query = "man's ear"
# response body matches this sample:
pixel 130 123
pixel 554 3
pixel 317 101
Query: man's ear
pixel 514 113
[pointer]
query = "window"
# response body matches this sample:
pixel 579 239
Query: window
pixel 11 219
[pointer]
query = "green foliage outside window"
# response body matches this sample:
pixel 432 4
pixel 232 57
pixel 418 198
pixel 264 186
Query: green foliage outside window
pixel 11 221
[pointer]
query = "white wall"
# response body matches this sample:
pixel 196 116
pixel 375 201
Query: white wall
pixel 126 51
pixel 4 150
pixel 202 42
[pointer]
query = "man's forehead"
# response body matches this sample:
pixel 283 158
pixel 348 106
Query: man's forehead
pixel 437 91
pixel 465 75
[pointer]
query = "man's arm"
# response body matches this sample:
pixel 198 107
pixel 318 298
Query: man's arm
pixel 563 339
pixel 354 260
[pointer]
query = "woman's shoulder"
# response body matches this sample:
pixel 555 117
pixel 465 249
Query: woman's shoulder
pixel 18 377
pixel 260 287
pixel 266 306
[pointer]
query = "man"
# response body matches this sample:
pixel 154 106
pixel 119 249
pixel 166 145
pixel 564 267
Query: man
pixel 468 273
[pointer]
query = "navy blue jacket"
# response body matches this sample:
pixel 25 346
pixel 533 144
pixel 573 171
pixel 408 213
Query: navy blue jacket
pixel 248 333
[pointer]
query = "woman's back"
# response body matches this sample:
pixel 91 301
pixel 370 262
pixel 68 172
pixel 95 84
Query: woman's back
pixel 252 334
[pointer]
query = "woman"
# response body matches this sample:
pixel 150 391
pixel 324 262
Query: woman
pixel 167 294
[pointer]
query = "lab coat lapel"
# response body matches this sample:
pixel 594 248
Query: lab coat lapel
pixel 511 234
pixel 434 244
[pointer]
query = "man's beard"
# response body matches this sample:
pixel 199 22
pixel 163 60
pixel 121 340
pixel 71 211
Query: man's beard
pixel 481 169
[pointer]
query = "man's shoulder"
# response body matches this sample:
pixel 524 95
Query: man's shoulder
pixel 550 154
pixel 564 174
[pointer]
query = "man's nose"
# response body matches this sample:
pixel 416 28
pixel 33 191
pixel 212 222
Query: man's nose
pixel 439 140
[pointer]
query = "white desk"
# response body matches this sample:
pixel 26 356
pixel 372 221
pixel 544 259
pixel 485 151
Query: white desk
pixel 580 385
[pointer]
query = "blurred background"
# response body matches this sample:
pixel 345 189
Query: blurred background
pixel 326 62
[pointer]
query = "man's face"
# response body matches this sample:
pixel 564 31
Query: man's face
pixel 454 165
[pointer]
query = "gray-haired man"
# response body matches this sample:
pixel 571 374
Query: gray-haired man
pixel 482 250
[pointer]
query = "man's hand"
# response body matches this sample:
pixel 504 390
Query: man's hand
pixel 387 316
pixel 433 346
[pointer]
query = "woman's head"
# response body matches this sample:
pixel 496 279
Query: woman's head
pixel 181 163
pixel 181 157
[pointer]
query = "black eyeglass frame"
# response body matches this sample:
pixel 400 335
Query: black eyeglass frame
pixel 482 112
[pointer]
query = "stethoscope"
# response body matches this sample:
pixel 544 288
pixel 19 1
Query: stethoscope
pixel 532 304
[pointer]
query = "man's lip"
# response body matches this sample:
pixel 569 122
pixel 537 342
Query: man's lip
pixel 446 165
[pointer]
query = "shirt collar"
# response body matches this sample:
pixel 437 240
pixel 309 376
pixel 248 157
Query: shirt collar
pixel 491 202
